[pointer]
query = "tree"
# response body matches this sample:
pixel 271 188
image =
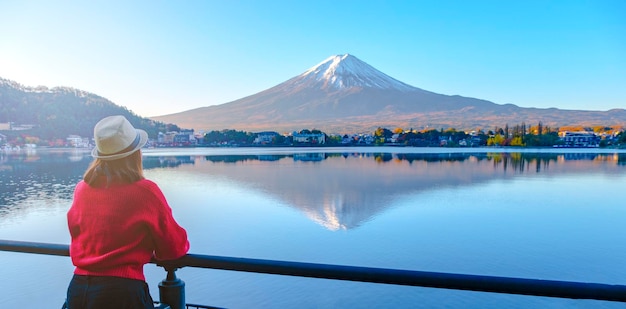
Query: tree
pixel 496 140
pixel 382 134
pixel 31 139
pixel 334 139
pixel 229 136
pixel 517 141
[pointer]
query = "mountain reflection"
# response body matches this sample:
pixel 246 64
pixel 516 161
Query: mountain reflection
pixel 344 190
pixel 336 190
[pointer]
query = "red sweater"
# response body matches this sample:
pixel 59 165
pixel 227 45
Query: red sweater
pixel 116 230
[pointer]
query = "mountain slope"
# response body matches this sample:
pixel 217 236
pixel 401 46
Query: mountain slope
pixel 345 94
pixel 58 112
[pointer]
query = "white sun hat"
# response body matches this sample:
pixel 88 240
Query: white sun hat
pixel 116 138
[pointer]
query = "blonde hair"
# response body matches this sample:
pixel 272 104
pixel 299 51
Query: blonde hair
pixel 124 170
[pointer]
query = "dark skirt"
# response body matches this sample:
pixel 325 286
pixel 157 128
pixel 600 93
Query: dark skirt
pixel 94 292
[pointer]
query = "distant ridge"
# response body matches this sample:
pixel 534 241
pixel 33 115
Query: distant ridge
pixel 343 94
pixel 55 113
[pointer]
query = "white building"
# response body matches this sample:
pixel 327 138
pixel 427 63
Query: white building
pixel 579 139
pixel 77 141
pixel 265 138
pixel 312 138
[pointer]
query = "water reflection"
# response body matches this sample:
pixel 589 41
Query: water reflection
pixel 514 160
pixel 345 190
pixel 518 162
pixel 337 190
pixel 36 179
pixel 170 161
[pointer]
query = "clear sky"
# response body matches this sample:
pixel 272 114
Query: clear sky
pixel 162 57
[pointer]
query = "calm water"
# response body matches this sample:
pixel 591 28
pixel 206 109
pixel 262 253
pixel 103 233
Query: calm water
pixel 534 214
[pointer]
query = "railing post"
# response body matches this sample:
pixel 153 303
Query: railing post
pixel 172 290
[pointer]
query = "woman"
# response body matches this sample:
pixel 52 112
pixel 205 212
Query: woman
pixel 118 221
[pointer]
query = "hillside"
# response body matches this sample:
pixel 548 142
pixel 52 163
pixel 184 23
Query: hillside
pixel 344 94
pixel 58 112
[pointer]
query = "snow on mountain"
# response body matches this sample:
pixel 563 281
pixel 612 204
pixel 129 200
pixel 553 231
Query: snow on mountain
pixel 345 71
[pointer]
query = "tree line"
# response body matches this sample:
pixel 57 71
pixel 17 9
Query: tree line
pixel 520 135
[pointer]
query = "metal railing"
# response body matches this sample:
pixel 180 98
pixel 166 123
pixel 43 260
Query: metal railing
pixel 171 289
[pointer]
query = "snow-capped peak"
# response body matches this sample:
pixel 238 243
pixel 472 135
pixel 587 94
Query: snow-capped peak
pixel 345 71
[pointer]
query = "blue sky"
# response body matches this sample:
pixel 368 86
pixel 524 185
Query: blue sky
pixel 162 57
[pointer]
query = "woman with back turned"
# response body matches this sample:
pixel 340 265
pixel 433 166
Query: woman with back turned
pixel 118 221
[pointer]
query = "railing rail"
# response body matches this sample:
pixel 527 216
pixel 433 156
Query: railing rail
pixel 520 286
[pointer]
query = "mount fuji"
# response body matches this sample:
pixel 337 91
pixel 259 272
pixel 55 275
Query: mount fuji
pixel 343 94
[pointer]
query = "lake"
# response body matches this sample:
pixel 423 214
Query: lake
pixel 528 213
